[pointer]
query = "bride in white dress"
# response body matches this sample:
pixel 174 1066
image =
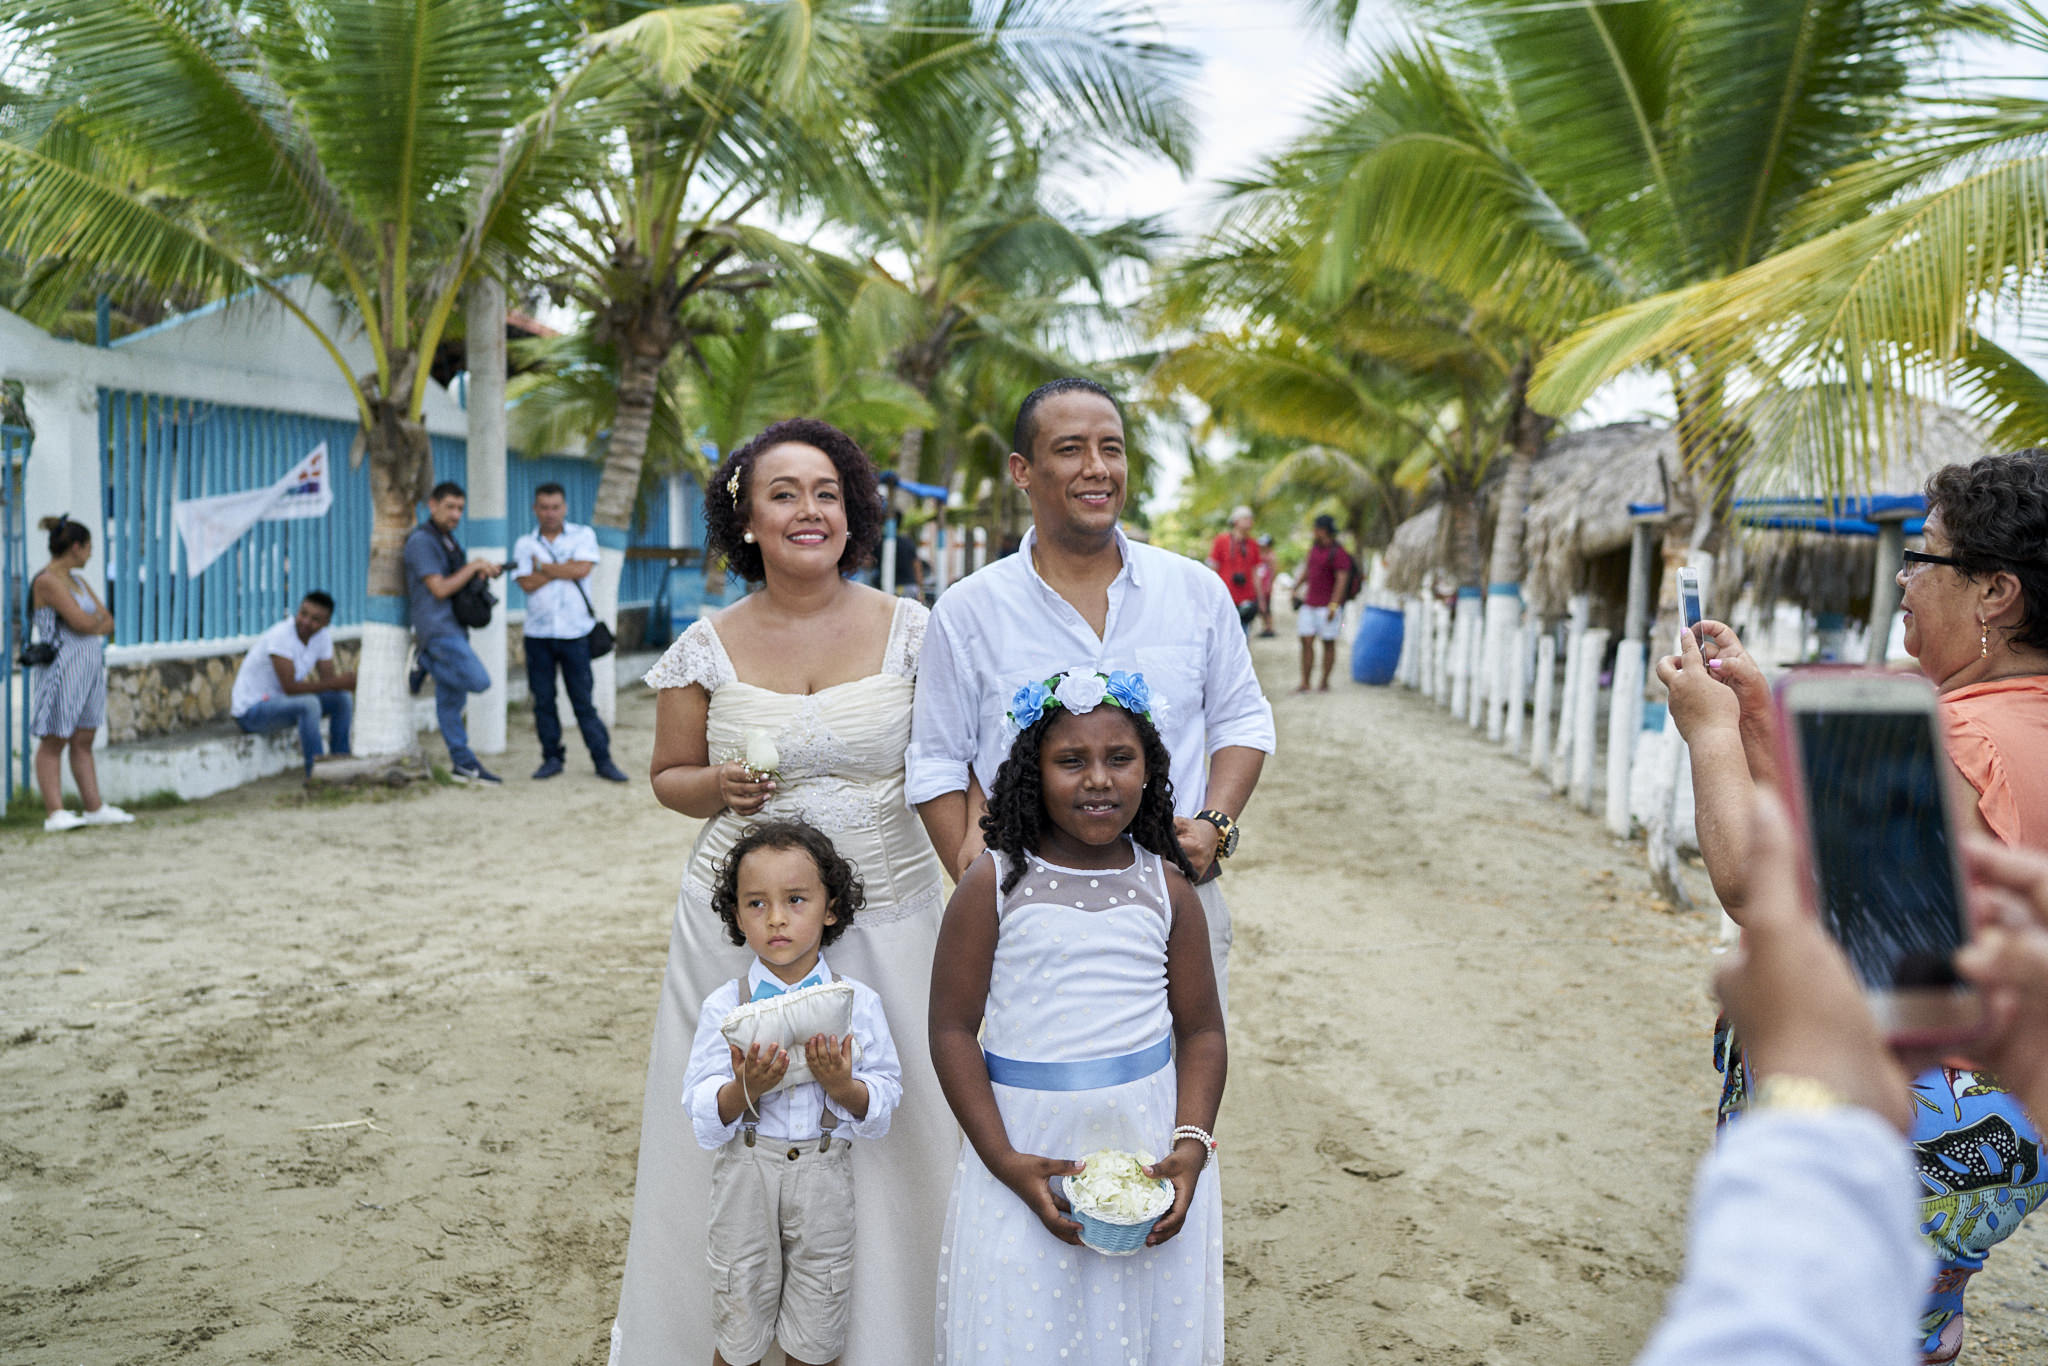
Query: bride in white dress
pixel 826 668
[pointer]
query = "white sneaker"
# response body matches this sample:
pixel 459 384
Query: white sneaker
pixel 63 820
pixel 108 814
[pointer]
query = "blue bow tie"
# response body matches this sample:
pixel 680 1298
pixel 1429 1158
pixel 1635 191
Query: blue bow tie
pixel 768 986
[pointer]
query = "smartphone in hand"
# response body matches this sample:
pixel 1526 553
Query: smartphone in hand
pixel 1869 776
pixel 1689 608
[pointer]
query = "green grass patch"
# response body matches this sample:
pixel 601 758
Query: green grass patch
pixel 25 812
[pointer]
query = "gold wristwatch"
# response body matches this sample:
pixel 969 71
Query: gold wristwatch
pixel 1227 845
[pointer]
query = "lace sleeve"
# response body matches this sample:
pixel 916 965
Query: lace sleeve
pixel 696 657
pixel 906 638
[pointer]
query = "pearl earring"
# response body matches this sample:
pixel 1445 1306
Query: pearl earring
pixel 747 536
pixel 1983 639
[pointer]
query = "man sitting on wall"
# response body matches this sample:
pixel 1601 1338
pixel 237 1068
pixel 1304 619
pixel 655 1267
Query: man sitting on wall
pixel 288 678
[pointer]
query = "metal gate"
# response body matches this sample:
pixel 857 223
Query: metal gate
pixel 16 753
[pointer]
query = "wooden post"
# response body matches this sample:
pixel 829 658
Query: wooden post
pixel 1586 716
pixel 1884 586
pixel 1546 692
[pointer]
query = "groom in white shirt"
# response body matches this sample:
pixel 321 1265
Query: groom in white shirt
pixel 1080 592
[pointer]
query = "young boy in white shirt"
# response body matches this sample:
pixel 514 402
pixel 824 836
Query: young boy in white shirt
pixel 781 1235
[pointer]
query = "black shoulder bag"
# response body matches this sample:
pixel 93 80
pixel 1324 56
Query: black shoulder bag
pixel 471 603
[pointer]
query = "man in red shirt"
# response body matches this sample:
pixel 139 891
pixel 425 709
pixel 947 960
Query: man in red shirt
pixel 1236 557
pixel 1319 597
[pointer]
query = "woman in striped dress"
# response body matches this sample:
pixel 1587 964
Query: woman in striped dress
pixel 71 691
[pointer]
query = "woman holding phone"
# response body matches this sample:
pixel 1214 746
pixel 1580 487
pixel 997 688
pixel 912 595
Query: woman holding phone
pixel 1975 600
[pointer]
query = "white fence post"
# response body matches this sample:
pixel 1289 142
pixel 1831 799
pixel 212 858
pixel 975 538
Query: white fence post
pixel 1585 713
pixel 1517 668
pixel 1624 723
pixel 1546 696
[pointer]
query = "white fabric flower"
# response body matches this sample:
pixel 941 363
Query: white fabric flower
pixel 1081 690
pixel 762 756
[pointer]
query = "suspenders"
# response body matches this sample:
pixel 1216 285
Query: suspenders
pixel 750 1118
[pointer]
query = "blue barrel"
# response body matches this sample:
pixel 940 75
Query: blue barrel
pixel 1376 653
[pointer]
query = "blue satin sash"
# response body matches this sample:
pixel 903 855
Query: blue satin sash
pixel 1092 1074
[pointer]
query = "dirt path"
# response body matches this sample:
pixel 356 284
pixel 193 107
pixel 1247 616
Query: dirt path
pixel 288 1081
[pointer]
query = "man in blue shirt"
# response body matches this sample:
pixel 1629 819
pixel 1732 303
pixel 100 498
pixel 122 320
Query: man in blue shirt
pixel 434 573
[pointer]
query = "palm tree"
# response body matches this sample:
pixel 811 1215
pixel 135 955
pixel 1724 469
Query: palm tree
pixel 386 150
pixel 971 256
pixel 1829 330
pixel 757 109
pixel 1551 162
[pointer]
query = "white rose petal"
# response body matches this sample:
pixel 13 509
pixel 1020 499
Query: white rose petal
pixel 762 756
pixel 1115 1185
pixel 1079 692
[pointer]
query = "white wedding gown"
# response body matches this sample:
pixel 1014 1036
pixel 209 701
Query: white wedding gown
pixel 841 770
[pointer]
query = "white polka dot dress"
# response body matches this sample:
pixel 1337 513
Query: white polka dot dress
pixel 1079 974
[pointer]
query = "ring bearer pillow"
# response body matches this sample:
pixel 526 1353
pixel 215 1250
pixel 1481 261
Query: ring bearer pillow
pixel 791 1020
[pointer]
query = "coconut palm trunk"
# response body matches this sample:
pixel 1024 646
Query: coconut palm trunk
pixel 401 463
pixel 1526 432
pixel 641 355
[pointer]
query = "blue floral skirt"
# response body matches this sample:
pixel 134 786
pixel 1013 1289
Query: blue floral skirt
pixel 1979 1160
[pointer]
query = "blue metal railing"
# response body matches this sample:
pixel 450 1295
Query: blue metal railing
pixel 15 614
pixel 157 450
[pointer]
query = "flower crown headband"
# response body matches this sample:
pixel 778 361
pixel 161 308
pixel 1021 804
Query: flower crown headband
pixel 1080 691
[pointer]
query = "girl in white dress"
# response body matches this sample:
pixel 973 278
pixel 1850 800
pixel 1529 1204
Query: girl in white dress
pixel 1077 949
pixel 824 668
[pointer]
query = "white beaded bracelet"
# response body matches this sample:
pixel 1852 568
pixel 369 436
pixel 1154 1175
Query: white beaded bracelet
pixel 1201 1136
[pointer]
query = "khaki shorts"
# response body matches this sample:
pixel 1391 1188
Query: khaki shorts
pixel 781 1248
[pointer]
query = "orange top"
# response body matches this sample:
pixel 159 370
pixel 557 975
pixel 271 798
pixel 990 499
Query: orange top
pixel 1997 735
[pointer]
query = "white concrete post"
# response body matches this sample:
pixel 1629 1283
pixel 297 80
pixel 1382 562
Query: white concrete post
pixel 1579 610
pixel 1586 716
pixel 64 470
pixel 1476 666
pixel 1407 642
pixel 1463 623
pixel 1624 723
pixel 1517 668
pixel 488 527
pixel 1546 692
pixel 1445 635
pixel 1503 613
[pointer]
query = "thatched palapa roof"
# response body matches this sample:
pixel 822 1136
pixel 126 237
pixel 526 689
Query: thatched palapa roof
pixel 1579 493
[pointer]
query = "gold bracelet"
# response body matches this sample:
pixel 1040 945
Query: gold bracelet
pixel 1801 1095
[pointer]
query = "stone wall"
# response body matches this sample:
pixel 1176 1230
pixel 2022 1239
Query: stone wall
pixel 165 696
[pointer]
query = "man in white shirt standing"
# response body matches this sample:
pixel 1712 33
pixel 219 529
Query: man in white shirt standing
pixel 1080 592
pixel 288 678
pixel 550 564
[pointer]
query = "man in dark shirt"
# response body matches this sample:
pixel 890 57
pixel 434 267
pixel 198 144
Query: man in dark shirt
pixel 1319 597
pixel 434 572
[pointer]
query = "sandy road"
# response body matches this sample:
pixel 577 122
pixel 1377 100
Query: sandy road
pixel 294 1081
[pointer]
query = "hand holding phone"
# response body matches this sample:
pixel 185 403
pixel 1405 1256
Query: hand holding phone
pixel 1870 799
pixel 1689 607
pixel 1792 995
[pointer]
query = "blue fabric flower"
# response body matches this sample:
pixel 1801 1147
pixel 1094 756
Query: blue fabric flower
pixel 1027 704
pixel 1130 692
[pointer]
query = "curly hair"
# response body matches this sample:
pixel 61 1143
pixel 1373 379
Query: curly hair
pixel 725 521
pixel 1995 511
pixel 1016 808
pixel 844 895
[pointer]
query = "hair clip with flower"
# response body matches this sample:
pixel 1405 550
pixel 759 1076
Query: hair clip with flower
pixel 732 487
pixel 1081 691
